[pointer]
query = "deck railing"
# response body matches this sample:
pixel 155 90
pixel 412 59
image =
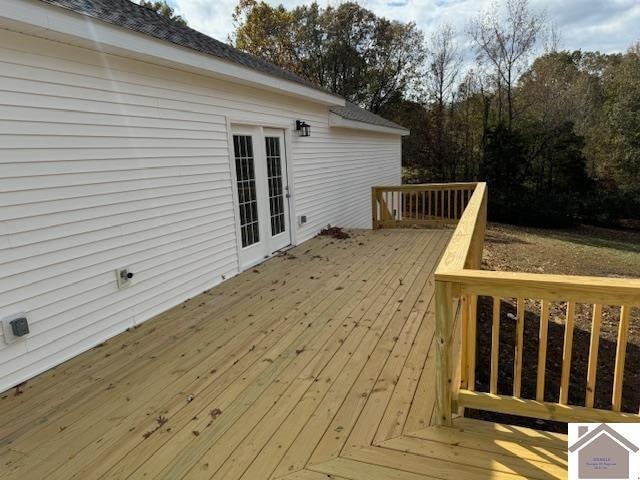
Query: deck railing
pixel 459 283
pixel 419 205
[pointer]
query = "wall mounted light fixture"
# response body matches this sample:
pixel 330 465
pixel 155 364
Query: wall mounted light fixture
pixel 303 128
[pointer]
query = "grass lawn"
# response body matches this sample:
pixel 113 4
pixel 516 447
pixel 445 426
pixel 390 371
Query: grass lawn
pixel 581 251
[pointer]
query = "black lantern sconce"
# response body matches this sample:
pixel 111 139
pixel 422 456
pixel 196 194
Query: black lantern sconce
pixel 303 128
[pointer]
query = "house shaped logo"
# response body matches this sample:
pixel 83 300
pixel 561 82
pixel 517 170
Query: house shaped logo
pixel 602 452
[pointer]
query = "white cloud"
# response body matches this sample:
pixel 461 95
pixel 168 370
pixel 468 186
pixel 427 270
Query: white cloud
pixel 604 25
pixel 212 17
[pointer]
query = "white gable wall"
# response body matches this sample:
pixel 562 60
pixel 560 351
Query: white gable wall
pixel 108 162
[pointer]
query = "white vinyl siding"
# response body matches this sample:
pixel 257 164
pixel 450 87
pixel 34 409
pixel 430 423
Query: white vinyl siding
pixel 109 162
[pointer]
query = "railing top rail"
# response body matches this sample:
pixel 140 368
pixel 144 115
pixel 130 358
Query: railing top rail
pixel 425 186
pixel 610 291
pixel 456 265
pixel 457 251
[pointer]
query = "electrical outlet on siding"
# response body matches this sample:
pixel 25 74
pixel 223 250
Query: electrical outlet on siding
pixel 8 329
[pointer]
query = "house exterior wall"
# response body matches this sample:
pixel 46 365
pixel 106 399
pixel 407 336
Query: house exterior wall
pixel 108 162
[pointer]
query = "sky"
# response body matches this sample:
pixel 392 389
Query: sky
pixel 600 25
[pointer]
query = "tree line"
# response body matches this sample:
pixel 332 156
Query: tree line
pixel 555 133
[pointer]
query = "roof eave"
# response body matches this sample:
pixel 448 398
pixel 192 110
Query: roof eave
pixel 55 23
pixel 338 121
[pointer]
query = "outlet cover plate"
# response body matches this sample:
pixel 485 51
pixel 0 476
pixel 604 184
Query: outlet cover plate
pixel 7 331
pixel 123 281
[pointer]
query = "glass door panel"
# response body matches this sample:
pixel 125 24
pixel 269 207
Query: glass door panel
pixel 246 184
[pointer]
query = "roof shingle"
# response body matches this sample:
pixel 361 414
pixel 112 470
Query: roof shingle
pixel 130 15
pixel 351 111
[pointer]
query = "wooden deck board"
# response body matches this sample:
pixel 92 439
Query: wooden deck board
pixel 318 362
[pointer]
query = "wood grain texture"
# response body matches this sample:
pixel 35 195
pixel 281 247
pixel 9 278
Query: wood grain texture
pixel 495 346
pixel 567 350
pixel 621 351
pixel 243 382
pixel 594 343
pixel 543 410
pixel 542 349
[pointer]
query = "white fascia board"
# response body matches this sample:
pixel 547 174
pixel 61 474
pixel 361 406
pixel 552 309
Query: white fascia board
pixel 38 18
pixel 337 121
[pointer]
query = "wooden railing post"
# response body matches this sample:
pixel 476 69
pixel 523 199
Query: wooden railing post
pixel 444 360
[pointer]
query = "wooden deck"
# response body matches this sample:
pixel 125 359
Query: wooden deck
pixel 317 364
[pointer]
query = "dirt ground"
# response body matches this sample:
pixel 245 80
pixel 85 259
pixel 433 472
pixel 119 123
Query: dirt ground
pixel 581 251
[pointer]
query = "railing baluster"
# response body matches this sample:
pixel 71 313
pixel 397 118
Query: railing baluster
pixel 455 204
pixel 566 353
pixel 464 342
pixel 414 206
pixel 393 209
pixel 445 202
pixel 471 344
pixel 495 346
pixel 618 375
pixel 407 205
pixel 411 205
pixel 517 371
pixel 594 344
pixel 542 349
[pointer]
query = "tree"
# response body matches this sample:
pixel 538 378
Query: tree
pixel 346 49
pixel 503 167
pixel 266 33
pixel 622 119
pixel 557 136
pixel 163 8
pixel 505 41
pixel 395 62
pixel 443 68
pixel 470 124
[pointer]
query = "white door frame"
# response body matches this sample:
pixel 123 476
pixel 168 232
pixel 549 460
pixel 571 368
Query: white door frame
pixel 238 123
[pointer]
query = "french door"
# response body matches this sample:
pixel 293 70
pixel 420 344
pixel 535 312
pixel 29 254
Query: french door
pixel 263 200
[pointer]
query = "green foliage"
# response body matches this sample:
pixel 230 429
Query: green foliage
pixel 622 119
pixel 503 167
pixel 163 8
pixel 549 191
pixel 346 49
pixel 556 136
pixel 573 154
